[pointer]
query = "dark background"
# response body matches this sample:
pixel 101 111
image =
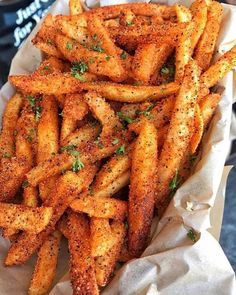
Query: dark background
pixel 11 32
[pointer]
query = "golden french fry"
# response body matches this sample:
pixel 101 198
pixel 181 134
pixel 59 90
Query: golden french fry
pixel 45 268
pixel 10 117
pixel 179 132
pixel 142 188
pixel 198 130
pixel 208 106
pixel 82 271
pixel 74 110
pixel 100 207
pixel 199 17
pixel 57 84
pixel 75 7
pixel 24 247
pixel 104 113
pixel 183 13
pixel 104 265
pixel 82 136
pixel 206 45
pixel 21 217
pixel 183 51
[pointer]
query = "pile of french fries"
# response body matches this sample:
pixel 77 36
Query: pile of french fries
pixel 101 135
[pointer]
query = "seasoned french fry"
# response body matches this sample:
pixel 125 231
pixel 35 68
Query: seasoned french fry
pixel 206 45
pixel 81 262
pixel 183 13
pixel 142 188
pixel 148 59
pixel 183 51
pixel 74 110
pixel 198 130
pixel 104 113
pixel 208 106
pixel 45 268
pixel 159 115
pixel 179 132
pixel 82 136
pixel 199 17
pixel 104 265
pixel 24 247
pixel 75 7
pixel 100 207
pixel 57 84
pixel 10 117
pixel 21 217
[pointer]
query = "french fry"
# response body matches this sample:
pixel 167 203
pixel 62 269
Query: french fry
pixel 199 17
pixel 21 217
pixel 82 271
pixel 45 268
pixel 148 59
pixel 10 117
pixel 48 48
pixel 198 130
pixel 159 115
pixel 183 51
pixel 183 13
pixel 75 7
pixel 104 265
pixel 208 106
pixel 24 247
pixel 104 113
pixel 82 136
pixel 179 132
pixel 206 45
pixel 100 207
pixel 74 110
pixel 57 84
pixel 101 36
pixel 142 188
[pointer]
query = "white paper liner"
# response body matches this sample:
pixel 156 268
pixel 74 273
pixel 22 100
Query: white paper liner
pixel 171 264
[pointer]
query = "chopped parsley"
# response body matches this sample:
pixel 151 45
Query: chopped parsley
pixel 123 55
pixel 79 77
pixel 69 46
pixel 108 58
pixel 77 165
pixel 6 155
pixel 192 235
pixel 129 22
pixel 124 118
pixel 68 148
pixel 98 143
pixel 25 184
pixel 79 67
pixel 95 37
pixel 97 48
pixel 38 112
pixel 120 150
pixel 165 70
pixel 174 184
pixel 115 141
pixel 147 111
pixel 46 68
pixel 34 103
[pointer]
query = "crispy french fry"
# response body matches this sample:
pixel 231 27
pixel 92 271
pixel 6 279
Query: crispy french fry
pixel 179 132
pixel 45 268
pixel 21 217
pixel 198 130
pixel 206 45
pixel 104 265
pixel 199 17
pixel 75 7
pixel 104 113
pixel 10 117
pixel 159 115
pixel 24 247
pixel 208 106
pixel 183 51
pixel 101 207
pixel 148 59
pixel 82 271
pixel 183 13
pixel 74 110
pixel 57 84
pixel 142 188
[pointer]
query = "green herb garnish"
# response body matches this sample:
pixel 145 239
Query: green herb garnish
pixel 120 150
pixel 69 46
pixel 68 148
pixel 34 103
pixel 97 48
pixel 129 22
pixel 165 70
pixel 79 67
pixel 95 37
pixel 108 58
pixel 6 155
pixel 25 184
pixel 124 118
pixel 46 68
pixel 192 235
pixel 123 55
pixel 174 184
pixel 115 141
pixel 147 111
pixel 77 165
